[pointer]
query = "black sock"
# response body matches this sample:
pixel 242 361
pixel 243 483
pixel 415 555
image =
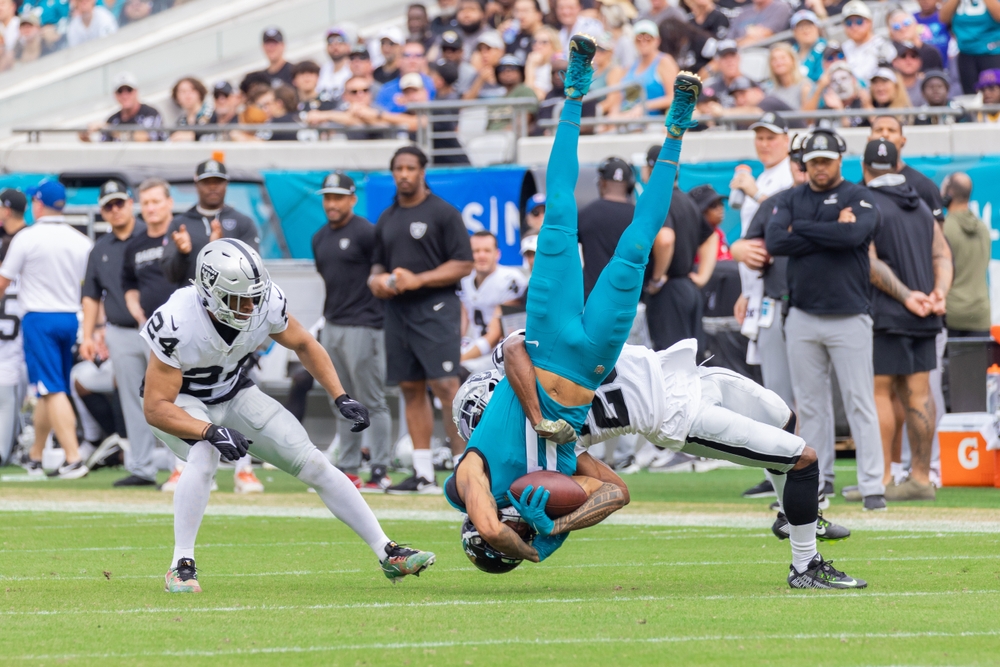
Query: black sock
pixel 800 501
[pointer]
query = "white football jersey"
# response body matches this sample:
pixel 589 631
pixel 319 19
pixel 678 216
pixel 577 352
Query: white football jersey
pixel 12 368
pixel 503 285
pixel 182 335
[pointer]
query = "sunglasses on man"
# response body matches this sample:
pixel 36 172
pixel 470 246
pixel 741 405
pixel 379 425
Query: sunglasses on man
pixel 113 205
pixel 854 21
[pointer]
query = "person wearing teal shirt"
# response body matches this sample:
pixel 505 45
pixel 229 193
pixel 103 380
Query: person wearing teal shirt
pixel 976 26
pixel 809 43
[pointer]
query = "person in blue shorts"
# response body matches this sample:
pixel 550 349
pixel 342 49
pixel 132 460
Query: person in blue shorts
pixel 573 345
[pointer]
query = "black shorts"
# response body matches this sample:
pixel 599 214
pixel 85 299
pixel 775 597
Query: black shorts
pixel 898 354
pixel 423 339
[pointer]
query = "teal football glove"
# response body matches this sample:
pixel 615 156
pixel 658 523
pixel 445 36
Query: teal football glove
pixel 547 544
pixel 532 509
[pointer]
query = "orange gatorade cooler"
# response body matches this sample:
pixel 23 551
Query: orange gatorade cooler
pixel 968 450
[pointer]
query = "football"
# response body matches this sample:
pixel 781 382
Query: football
pixel 565 495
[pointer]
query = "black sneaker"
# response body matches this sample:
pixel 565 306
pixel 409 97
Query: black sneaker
pixel 825 530
pixel 822 574
pixel 828 488
pixel 134 480
pixel 34 468
pixel 763 490
pixel 874 504
pixel 415 485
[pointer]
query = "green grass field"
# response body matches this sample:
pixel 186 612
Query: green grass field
pixel 85 586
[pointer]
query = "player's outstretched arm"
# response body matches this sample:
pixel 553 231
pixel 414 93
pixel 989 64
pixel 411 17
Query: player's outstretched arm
pixel 163 383
pixel 474 489
pixel 520 374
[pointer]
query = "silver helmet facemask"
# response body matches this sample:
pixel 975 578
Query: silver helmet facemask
pixel 471 400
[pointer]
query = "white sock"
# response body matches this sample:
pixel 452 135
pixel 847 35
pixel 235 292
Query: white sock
pixel 778 482
pixel 343 499
pixel 423 464
pixel 803 539
pixel 455 458
pixel 191 497
pixel 243 464
pixel 896 470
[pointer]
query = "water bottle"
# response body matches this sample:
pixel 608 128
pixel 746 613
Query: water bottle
pixel 512 31
pixel 993 389
pixel 737 197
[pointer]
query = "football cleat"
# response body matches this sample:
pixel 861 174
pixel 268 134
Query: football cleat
pixel 245 481
pixel 414 485
pixel 170 485
pixel 687 88
pixel 400 562
pixel 763 490
pixel 580 72
pixel 183 578
pixel 822 574
pixel 825 530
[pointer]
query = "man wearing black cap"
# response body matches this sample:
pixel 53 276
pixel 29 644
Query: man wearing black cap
pixel 352 334
pixel 208 220
pixel 911 267
pixel 13 375
pixel 602 222
pixel 936 89
pixel 278 70
pixel 103 284
pixel 726 66
pixel 825 227
pixel 453 50
pixel 889 128
pixel 227 103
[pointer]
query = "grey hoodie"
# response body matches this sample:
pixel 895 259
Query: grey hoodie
pixel 969 298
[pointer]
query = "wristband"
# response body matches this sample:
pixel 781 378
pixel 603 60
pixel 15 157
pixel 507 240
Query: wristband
pixel 209 432
pixel 483 345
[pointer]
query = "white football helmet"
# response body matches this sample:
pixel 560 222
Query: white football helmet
pixel 230 276
pixel 471 400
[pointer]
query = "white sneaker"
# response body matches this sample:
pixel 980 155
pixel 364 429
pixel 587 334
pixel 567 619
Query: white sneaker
pixel 246 482
pixel 34 469
pixel 73 470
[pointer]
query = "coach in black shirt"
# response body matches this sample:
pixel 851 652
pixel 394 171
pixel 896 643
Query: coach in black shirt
pixel 352 334
pixel 145 286
pixel 825 227
pixel 422 251
pixel 602 222
pixel 103 282
pixel 209 220
pixel 890 129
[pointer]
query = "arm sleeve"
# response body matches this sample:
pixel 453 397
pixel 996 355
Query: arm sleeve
pixel 91 285
pixel 14 261
pixel 173 263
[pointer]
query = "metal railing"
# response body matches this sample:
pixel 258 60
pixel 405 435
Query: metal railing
pixel 439 123
pixel 34 133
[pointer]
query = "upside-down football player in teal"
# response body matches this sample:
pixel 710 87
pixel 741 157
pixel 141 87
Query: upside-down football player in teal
pixel 572 345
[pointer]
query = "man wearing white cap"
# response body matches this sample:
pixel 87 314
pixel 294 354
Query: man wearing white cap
pixel 391 42
pixel 863 49
pixel 132 112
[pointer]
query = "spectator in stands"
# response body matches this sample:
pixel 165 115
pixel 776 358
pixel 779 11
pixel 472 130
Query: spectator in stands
pixel 306 76
pixel 227 104
pixel 602 221
pixel 528 15
pixel 283 109
pixel 189 95
pixel 839 89
pixel 52 17
pixel 419 26
pixel 988 88
pixel 750 98
pixel 705 15
pixel 103 290
pixel 903 27
pixel 30 44
pixel 278 70
pixel 485 60
pixel 471 18
pixel 787 83
pixel 617 16
pixel 51 258
pixel 132 112
pixel 534 214
pixel 725 68
pixel 391 42
pixel 337 70
pixel 940 35
pixel 452 51
pixel 356 111
pixel 760 20
pixel 572 20
pixel 654 71
pixel 10 31
pixel 713 211
pixel 907 64
pixel 447 150
pixel 691 47
pixel 809 44
pixel 412 62
pixel 510 75
pixel 911 269
pixel 89 22
pixel 606 73
pixel 968 306
pixel 731 8
pixel 422 251
pixel 864 49
pixel 977 32
pixel 499 12
pixel 529 246
pixel 659 11
pixel 136 10
pixel 538 67
pixel 256 111
pixel 352 333
pixel 445 20
pixel 887 92
pixel 361 65
pixel 936 89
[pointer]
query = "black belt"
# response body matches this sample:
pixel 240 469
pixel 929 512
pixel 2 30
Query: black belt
pixel 124 326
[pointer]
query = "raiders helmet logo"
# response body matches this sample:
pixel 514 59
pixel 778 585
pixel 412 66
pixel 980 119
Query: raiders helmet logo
pixel 418 229
pixel 208 275
pixel 447 366
pixel 110 187
pixel 229 224
pixel 820 143
pixel 212 167
pixel 345 243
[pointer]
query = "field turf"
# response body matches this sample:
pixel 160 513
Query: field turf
pixel 697 580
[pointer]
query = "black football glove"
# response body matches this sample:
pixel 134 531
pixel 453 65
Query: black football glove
pixel 231 443
pixel 354 411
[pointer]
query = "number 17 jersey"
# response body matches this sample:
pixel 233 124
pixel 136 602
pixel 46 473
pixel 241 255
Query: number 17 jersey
pixel 182 335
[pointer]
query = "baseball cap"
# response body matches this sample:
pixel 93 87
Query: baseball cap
pixel 536 202
pixel 529 243
pixel 360 51
pixel 832 49
pixel 13 199
pixel 338 31
pixel 773 122
pixel 337 183
pixel 50 193
pixel 222 88
pixel 211 169
pixel 393 34
pixel 857 8
pixel 741 83
pixel 705 196
pixel 935 74
pixel 411 80
pixel 804 15
pixel 988 77
pixel 606 41
pixel 492 39
pixel 881 155
pixel 615 169
pixel 652 155
pixel 29 15
pixel 510 61
pixel 886 73
pixel 123 79
pixel 272 34
pixel 646 27
pixel 111 190
pixel 726 46
pixel 903 47
pixel 820 144
pixel 707 94
pixel 448 71
pixel 451 40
